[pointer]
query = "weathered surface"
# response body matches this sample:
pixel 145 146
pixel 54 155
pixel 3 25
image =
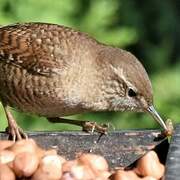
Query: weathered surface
pixel 120 148
pixel 173 158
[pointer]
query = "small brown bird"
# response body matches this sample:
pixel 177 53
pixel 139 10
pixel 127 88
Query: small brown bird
pixel 54 71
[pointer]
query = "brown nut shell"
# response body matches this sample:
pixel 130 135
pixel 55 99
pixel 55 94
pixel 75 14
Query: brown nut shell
pixel 149 165
pixel 25 164
pixel 96 162
pixel 5 144
pixel 6 173
pixel 124 175
pixel 6 156
pixel 50 168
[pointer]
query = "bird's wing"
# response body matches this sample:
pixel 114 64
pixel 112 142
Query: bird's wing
pixel 30 48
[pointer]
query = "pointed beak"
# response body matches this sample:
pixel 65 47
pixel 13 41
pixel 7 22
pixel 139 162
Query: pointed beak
pixel 156 116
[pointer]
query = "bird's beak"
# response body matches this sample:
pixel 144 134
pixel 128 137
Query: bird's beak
pixel 156 116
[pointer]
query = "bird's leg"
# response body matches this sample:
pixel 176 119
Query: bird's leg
pixel 86 125
pixel 15 132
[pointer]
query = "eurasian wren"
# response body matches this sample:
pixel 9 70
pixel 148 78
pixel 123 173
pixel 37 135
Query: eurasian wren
pixel 54 71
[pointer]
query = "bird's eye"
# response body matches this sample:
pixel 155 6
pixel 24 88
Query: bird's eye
pixel 131 93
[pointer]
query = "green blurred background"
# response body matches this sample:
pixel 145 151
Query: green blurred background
pixel 149 29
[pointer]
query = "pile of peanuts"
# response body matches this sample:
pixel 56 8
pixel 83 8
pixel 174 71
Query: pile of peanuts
pixel 24 159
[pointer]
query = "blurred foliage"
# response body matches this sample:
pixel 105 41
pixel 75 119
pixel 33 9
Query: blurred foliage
pixel 150 29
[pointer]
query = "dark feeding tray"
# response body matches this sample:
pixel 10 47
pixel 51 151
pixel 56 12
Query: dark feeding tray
pixel 120 148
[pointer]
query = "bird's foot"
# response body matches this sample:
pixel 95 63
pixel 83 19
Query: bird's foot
pixel 94 127
pixel 16 133
pixel 87 126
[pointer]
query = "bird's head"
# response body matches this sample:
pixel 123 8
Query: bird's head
pixel 126 83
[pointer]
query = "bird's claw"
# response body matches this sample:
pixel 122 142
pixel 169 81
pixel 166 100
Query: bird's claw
pixel 16 133
pixel 94 127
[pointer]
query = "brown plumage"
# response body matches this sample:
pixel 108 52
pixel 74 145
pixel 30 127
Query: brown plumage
pixel 53 71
